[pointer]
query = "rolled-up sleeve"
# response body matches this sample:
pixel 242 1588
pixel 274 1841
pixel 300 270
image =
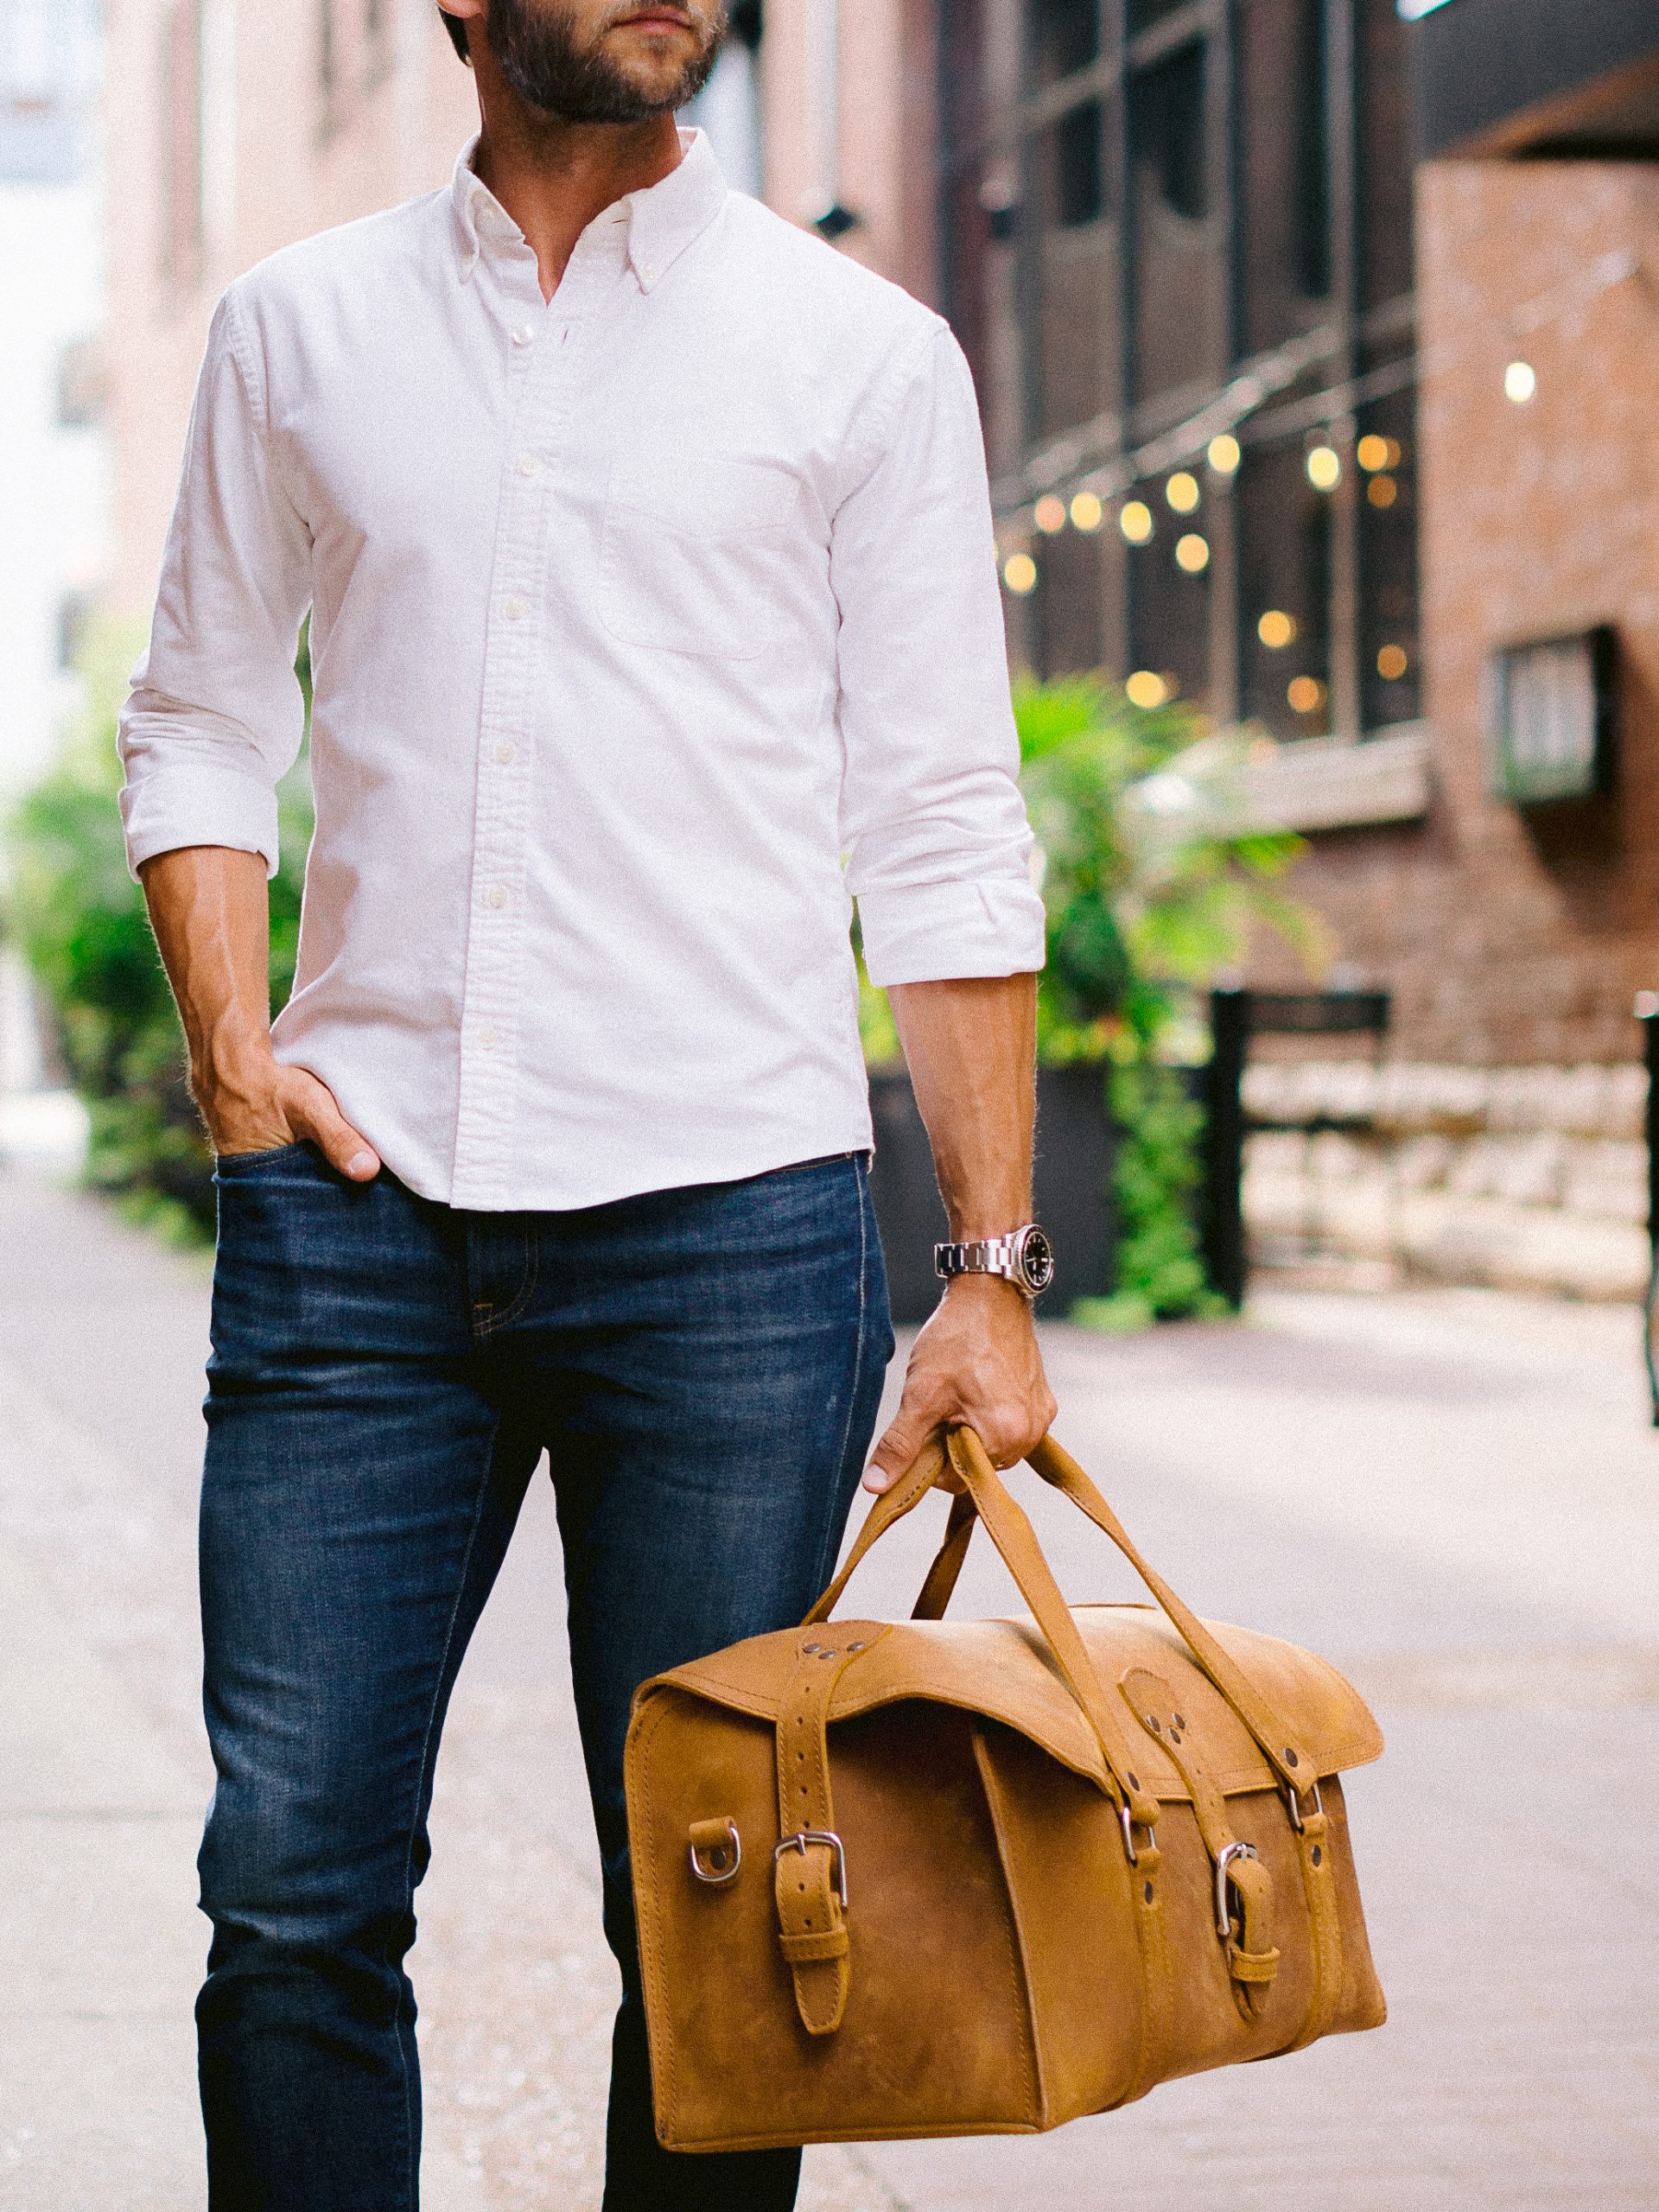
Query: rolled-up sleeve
pixel 932 822
pixel 216 715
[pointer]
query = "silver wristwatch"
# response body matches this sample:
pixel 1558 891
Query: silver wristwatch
pixel 1024 1257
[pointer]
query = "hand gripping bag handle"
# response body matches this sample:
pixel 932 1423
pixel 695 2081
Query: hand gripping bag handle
pixel 985 1497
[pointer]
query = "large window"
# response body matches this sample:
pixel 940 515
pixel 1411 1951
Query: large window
pixel 1176 242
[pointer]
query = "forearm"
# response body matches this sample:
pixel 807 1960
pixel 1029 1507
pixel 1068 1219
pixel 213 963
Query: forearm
pixel 971 1048
pixel 209 909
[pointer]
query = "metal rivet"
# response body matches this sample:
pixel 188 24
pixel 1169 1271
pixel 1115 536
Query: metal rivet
pixel 1318 1855
pixel 1291 1758
pixel 830 1654
pixel 855 1647
pixel 1174 1735
pixel 1179 1721
pixel 1154 1724
pixel 1134 1781
pixel 1148 1892
pixel 811 1651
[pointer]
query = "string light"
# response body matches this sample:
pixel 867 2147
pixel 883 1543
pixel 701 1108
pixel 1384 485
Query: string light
pixel 1087 512
pixel 1135 520
pixel 1306 694
pixel 1520 382
pixel 1182 492
pixel 1324 468
pixel 1276 629
pixel 1392 663
pixel 1049 514
pixel 1382 491
pixel 1224 452
pixel 1146 688
pixel 1020 574
pixel 1193 553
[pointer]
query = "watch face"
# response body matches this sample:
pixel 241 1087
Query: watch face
pixel 1036 1261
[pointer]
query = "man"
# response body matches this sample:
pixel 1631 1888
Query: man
pixel 653 612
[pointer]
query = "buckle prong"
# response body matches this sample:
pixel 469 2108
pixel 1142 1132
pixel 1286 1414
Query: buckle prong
pixel 831 1842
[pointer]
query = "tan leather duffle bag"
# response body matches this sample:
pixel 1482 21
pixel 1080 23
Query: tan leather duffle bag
pixel 967 1877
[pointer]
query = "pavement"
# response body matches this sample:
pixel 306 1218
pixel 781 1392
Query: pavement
pixel 1454 1496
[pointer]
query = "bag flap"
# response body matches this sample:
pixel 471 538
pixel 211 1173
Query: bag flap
pixel 1002 1669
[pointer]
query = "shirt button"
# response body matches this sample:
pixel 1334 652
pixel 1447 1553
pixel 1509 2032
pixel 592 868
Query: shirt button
pixel 528 465
pixel 506 755
pixel 523 335
pixel 497 895
pixel 487 1039
pixel 514 610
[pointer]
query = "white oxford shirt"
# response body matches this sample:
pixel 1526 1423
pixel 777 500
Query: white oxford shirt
pixel 649 627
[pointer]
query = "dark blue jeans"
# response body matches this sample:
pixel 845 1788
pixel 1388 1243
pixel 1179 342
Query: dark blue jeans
pixel 702 1367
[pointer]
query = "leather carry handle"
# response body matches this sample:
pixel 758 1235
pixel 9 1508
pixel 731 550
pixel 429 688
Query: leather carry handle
pixel 962 1452
pixel 1016 1541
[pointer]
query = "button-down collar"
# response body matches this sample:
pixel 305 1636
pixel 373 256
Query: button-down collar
pixel 662 221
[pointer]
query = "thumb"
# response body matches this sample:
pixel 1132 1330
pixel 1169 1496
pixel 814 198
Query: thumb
pixel 313 1112
pixel 898 1450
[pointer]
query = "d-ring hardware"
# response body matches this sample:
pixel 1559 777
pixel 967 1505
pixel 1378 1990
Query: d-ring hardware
pixel 717 1877
pixel 1293 1798
pixel 1125 1822
pixel 1223 1922
pixel 831 1841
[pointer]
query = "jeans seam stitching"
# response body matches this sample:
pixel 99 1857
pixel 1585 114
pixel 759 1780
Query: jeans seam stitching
pixel 420 1787
pixel 825 1564
pixel 527 1287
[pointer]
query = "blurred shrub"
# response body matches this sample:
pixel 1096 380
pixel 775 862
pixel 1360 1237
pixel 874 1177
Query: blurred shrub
pixel 78 920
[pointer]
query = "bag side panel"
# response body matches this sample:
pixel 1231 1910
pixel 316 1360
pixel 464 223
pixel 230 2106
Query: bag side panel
pixel 936 2038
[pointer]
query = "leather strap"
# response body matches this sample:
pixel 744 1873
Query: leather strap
pixel 941 1583
pixel 1252 1961
pixel 808 1871
pixel 1290 1759
pixel 1319 1886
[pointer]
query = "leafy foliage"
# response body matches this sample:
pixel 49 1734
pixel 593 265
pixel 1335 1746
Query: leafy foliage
pixel 78 920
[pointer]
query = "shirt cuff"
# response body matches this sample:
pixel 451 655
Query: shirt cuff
pixel 195 803
pixel 940 933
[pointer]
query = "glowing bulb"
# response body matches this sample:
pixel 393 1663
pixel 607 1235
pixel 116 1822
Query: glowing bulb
pixel 1224 454
pixel 1087 512
pixel 1135 520
pixel 1020 574
pixel 1382 491
pixel 1275 630
pixel 1372 452
pixel 1146 688
pixel 1306 694
pixel 1193 554
pixel 1520 382
pixel 1391 664
pixel 1182 492
pixel 1049 514
pixel 1323 468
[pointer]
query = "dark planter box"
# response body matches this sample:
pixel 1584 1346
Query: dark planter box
pixel 1075 1151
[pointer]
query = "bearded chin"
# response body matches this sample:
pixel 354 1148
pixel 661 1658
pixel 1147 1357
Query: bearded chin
pixel 541 60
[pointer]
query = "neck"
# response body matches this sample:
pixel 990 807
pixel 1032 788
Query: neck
pixel 554 177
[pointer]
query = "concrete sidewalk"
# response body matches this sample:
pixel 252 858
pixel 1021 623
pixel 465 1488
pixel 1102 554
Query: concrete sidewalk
pixel 1454 1496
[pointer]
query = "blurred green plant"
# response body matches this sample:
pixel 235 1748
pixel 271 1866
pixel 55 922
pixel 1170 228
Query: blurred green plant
pixel 1152 888
pixel 78 921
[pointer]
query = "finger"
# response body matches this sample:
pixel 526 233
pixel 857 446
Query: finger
pixel 314 1114
pixel 898 1448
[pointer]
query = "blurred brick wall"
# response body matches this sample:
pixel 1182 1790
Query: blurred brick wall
pixel 1506 942
pixel 280 162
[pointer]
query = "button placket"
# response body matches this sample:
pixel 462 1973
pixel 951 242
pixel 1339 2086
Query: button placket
pixel 492 990
pixel 546 379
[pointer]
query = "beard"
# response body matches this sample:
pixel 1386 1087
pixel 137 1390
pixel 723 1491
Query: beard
pixel 552 68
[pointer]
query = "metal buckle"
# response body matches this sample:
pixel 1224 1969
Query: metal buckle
pixel 718 1880
pixel 831 1841
pixel 1293 1798
pixel 1224 1922
pixel 1125 1822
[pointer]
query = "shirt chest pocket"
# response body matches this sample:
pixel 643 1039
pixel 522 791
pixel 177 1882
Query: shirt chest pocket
pixel 697 552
